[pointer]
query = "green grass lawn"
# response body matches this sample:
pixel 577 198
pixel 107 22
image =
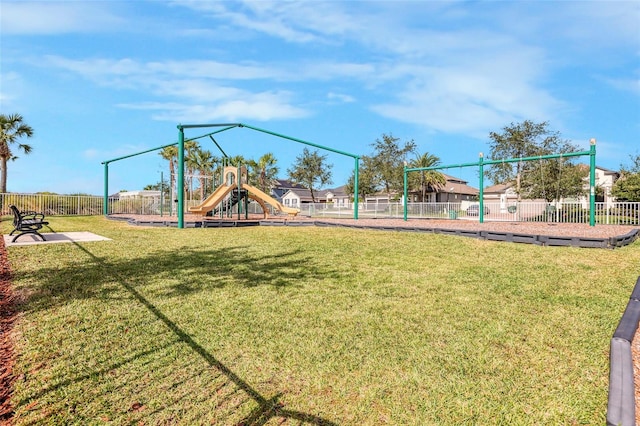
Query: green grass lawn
pixel 306 325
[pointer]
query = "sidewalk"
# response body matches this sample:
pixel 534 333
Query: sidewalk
pixel 53 238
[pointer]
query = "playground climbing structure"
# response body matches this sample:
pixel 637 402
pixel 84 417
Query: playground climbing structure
pixel 233 190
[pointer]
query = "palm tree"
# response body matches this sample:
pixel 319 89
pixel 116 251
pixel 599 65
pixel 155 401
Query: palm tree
pixel 191 147
pixel 204 162
pixel 265 170
pixel 170 153
pixel 425 179
pixel 12 128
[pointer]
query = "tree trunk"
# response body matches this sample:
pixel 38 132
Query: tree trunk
pixel 3 176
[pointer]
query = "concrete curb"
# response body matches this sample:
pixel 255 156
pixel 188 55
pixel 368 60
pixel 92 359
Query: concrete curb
pixel 621 406
pixel 542 240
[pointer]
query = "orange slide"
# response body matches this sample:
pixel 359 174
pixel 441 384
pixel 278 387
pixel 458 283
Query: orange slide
pixel 212 201
pixel 270 200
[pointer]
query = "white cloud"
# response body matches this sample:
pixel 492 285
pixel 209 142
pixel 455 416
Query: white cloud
pixel 90 153
pixel 340 97
pixel 190 90
pixel 295 22
pixel 630 85
pixel 472 93
pixel 465 77
pixel 243 106
pixel 444 65
pixel 56 17
pixel 10 86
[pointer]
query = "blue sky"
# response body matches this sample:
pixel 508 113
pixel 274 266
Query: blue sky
pixel 103 79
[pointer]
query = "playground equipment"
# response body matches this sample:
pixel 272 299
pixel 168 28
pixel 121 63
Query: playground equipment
pixel 482 162
pixel 234 189
pixel 223 127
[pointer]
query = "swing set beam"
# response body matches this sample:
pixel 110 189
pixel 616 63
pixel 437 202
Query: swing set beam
pixel 481 163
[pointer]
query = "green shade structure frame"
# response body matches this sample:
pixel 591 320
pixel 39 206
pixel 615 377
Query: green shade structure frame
pixel 228 126
pixel 222 127
pixel 105 207
pixel 481 163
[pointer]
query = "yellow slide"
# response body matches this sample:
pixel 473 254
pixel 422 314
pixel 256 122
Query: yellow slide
pixel 212 200
pixel 270 200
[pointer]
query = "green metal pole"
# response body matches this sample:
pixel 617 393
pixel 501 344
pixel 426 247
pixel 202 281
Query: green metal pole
pixel 592 183
pixel 509 160
pixel 356 179
pixel 180 185
pixel 218 145
pixel 105 207
pixel 337 151
pixel 406 191
pixel 481 184
pixel 139 153
pixel 238 186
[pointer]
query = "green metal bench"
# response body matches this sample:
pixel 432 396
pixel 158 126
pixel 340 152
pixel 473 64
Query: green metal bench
pixel 27 222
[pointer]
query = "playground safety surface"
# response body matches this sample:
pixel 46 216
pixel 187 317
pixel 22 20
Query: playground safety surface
pixel 539 233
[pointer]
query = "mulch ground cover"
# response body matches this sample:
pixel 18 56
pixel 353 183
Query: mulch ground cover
pixel 8 314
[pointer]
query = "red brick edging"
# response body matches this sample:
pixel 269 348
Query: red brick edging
pixel 8 314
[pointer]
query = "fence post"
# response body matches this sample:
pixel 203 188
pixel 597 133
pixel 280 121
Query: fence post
pixel 592 183
pixel 481 195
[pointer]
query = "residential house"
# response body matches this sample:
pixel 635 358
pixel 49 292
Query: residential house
pixel 281 187
pixel 338 196
pixel 506 194
pixel 503 193
pixel 604 180
pixel 455 190
pixel 295 197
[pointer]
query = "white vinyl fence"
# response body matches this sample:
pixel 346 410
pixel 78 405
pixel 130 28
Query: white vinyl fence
pixel 623 213
pixel 52 204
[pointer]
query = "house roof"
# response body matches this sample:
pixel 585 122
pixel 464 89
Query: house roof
pixel 450 178
pixel 305 195
pixel 287 184
pixel 340 191
pixel 458 188
pixel 499 188
pixel 607 171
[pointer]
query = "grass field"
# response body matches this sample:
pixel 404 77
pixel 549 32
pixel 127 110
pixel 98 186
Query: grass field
pixel 305 325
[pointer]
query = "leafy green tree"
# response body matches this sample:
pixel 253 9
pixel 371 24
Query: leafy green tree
pixel 635 165
pixel 12 128
pixel 367 179
pixel 627 187
pixel 533 179
pixel 311 171
pixel 265 171
pixel 426 180
pixel 554 179
pixel 388 162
